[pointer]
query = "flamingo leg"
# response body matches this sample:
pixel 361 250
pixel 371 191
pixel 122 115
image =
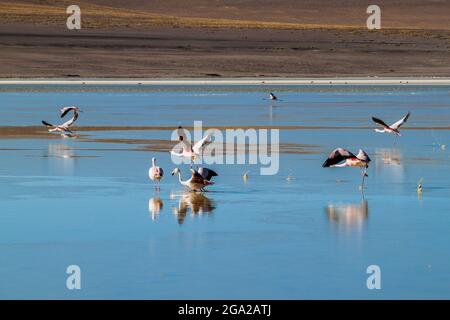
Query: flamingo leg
pixel 364 175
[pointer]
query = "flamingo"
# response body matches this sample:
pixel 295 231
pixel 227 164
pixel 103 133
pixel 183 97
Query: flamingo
pixel 344 158
pixel 196 182
pixel 155 173
pixel 65 127
pixel 190 151
pixel 420 186
pixel 392 128
pixel 272 96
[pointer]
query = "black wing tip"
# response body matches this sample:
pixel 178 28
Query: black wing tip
pixel 45 123
pixel 213 173
pixel 64 112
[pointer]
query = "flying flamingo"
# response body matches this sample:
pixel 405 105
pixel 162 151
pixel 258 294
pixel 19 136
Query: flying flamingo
pixel 65 127
pixel 155 173
pixel 196 182
pixel 392 128
pixel 190 151
pixel 344 158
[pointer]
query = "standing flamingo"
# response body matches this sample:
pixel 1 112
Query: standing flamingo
pixel 155 173
pixel 344 158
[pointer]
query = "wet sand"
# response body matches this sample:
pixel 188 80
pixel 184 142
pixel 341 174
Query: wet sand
pixel 172 53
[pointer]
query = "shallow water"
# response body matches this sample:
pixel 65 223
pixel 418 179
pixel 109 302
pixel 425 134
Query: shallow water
pixel 87 201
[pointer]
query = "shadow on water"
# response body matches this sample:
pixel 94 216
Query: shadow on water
pixel 196 203
pixel 348 217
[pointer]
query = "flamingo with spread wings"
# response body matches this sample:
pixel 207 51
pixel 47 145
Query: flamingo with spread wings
pixel 65 127
pixel 191 151
pixel 196 182
pixel 343 158
pixel 393 128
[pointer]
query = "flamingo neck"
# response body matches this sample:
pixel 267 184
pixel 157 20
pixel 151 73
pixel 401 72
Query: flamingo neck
pixel 154 162
pixel 180 178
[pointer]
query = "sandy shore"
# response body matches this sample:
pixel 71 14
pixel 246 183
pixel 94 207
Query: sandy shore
pixel 163 52
pixel 233 81
pixel 219 40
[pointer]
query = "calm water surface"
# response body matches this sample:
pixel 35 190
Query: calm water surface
pixel 88 201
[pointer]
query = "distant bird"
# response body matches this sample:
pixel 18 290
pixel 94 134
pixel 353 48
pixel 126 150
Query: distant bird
pixel 245 175
pixel 392 128
pixel 190 151
pixel 344 158
pixel 419 186
pixel 155 173
pixel 196 182
pixel 64 128
pixel 272 96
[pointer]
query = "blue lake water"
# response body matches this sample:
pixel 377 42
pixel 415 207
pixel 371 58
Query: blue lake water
pixel 87 201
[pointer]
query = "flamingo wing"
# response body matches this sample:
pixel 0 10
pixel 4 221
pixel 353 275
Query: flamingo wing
pixel 45 123
pixel 180 133
pixel 64 111
pixel 207 173
pixel 182 138
pixel 199 145
pixel 362 155
pixel 197 177
pixel 380 122
pixel 70 122
pixel 336 156
pixel 400 122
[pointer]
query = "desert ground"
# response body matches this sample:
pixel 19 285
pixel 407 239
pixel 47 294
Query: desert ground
pixel 196 38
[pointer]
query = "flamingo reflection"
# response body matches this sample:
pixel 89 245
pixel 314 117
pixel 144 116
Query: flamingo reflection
pixel 348 216
pixel 197 203
pixel 154 207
